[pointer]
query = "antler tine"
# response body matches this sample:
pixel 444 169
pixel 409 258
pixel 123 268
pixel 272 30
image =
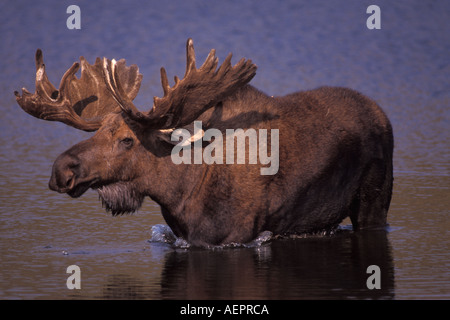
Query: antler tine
pixel 68 76
pixel 165 82
pixel 43 85
pixel 40 82
pixel 211 62
pixel 39 58
pixel 226 65
pixel 111 84
pixel 190 57
pixel 106 70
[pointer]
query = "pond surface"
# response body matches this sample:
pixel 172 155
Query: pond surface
pixel 297 46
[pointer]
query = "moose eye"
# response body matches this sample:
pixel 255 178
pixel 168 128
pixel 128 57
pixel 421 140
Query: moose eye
pixel 127 142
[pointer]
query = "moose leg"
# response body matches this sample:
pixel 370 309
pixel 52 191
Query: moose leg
pixel 371 203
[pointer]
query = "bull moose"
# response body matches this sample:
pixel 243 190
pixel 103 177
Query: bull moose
pixel 334 151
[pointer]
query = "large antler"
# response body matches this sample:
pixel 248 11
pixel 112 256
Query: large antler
pixel 181 104
pixel 81 103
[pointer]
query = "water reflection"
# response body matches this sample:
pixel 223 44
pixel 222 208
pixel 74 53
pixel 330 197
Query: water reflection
pixel 309 268
pixel 124 286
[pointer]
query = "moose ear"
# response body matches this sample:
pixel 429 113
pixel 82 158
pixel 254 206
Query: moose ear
pixel 165 135
pixel 188 135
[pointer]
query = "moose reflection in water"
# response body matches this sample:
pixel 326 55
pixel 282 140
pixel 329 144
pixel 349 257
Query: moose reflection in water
pixel 326 267
pixel 334 154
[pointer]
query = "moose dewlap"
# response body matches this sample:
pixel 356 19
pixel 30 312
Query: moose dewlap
pixel 317 156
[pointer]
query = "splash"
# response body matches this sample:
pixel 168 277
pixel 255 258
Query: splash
pixel 161 233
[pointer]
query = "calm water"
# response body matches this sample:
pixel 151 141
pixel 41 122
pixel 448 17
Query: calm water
pixel 297 45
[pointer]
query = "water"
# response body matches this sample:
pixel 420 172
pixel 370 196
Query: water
pixel 297 45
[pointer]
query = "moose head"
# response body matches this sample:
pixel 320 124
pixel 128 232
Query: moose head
pixel 125 154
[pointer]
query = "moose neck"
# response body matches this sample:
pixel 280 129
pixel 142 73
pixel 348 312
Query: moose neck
pixel 169 184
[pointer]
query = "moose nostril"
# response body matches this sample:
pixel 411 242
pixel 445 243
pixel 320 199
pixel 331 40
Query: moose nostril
pixel 70 181
pixel 62 181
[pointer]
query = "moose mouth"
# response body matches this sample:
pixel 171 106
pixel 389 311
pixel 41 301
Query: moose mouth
pixel 78 190
pixel 73 186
